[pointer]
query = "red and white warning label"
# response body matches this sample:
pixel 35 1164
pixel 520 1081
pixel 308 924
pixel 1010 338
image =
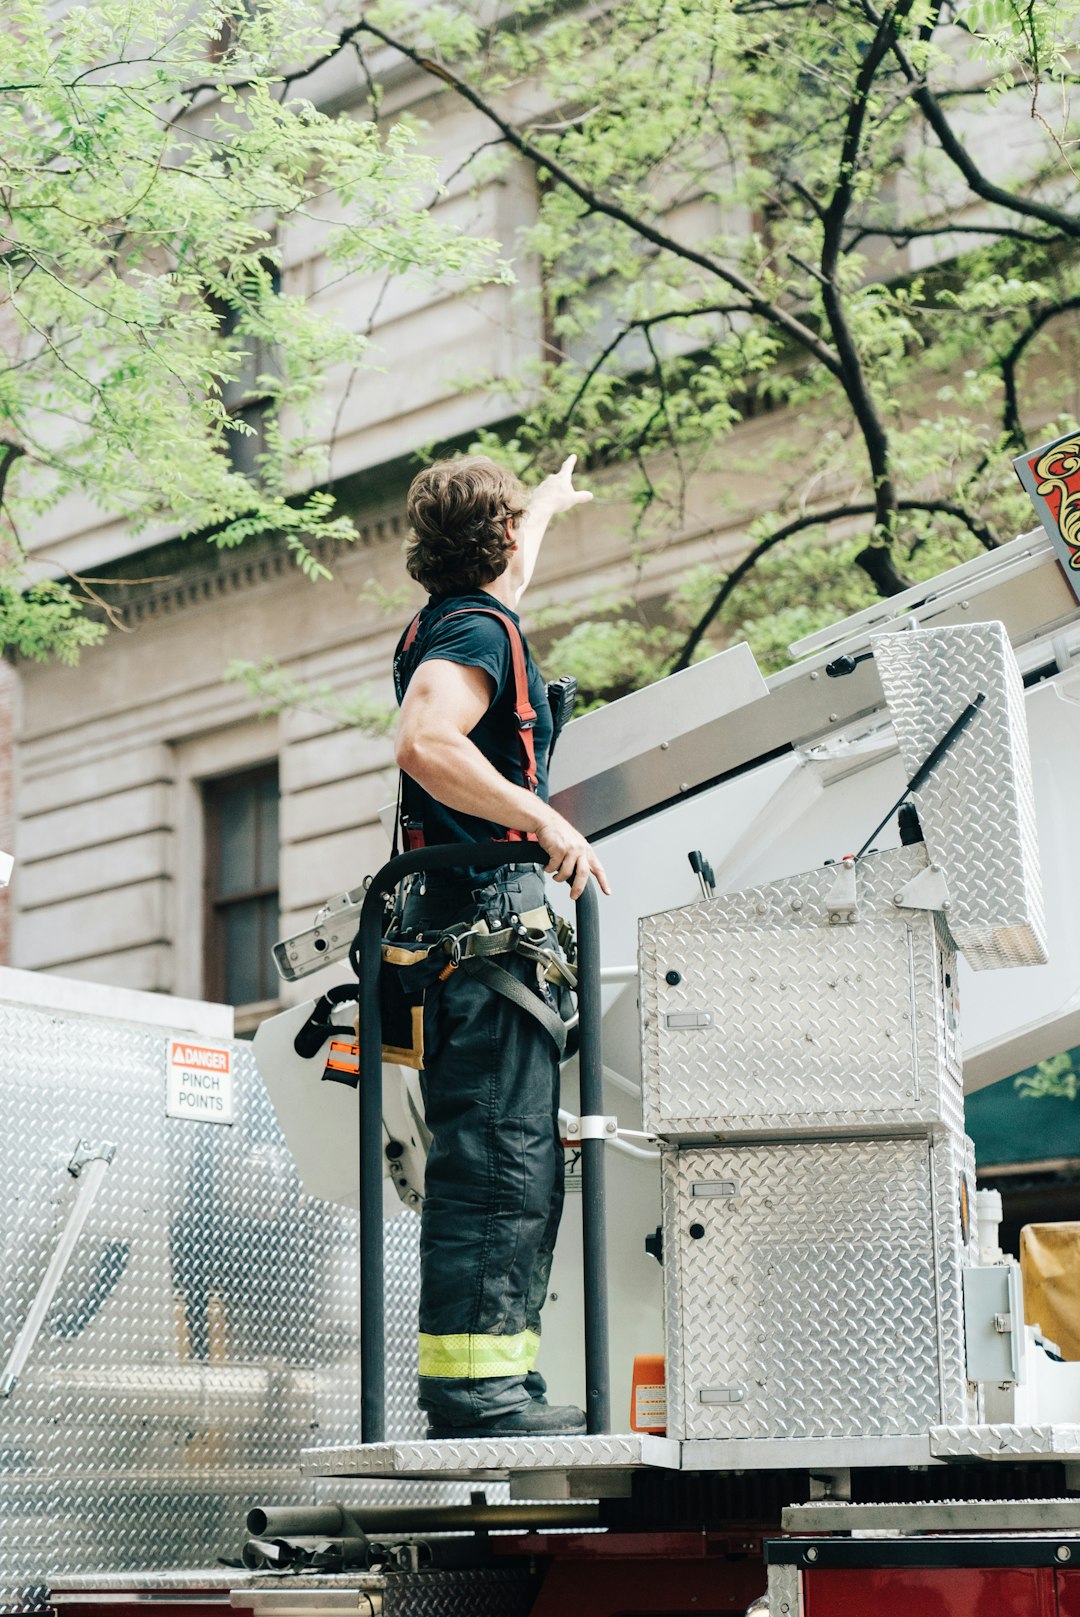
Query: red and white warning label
pixel 200 1082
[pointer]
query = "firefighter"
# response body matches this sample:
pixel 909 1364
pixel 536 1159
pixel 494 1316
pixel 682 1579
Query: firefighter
pixel 474 769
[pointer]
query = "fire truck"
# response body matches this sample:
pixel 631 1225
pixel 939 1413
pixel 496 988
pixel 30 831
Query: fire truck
pixel 844 896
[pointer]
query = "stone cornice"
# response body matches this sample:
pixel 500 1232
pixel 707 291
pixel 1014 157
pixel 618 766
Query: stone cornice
pixel 197 576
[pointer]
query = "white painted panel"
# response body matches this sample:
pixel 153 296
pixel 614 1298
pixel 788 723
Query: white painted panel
pixel 153 1010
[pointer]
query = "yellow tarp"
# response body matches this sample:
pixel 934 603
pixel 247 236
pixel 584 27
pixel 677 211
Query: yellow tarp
pixel 1050 1268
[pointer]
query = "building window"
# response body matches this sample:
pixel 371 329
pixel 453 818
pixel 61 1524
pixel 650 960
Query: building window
pixel 242 886
pixel 246 396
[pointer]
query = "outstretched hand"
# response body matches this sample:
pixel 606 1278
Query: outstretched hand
pixel 557 492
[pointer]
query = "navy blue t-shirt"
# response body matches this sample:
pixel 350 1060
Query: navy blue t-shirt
pixel 476 640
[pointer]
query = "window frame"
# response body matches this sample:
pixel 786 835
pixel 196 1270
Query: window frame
pixel 216 906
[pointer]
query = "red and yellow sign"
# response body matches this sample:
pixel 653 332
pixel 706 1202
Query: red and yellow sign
pixel 1051 475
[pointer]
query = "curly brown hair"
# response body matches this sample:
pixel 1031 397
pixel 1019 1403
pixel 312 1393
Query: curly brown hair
pixel 458 511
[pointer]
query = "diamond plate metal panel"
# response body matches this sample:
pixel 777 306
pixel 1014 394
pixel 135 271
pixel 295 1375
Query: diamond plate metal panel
pixel 484 1592
pixel 805 1286
pixel 1005 1442
pixel 473 1455
pixel 785 1591
pixel 977 809
pixel 205 1328
pixel 811 1028
pixel 952 1181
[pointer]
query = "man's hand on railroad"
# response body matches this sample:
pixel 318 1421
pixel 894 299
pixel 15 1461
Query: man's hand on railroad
pixel 571 858
pixel 557 492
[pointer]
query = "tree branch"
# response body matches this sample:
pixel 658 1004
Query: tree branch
pixel 876 560
pixel 645 323
pixel 756 304
pixel 798 525
pixel 899 235
pixel 9 453
pixel 1010 415
pixel 956 152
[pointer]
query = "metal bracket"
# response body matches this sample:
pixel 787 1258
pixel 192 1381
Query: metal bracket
pixel 925 891
pixel 88 1151
pixel 592 1128
pixel 841 900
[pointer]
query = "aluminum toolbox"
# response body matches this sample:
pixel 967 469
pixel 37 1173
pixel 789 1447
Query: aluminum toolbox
pixel 760 1016
pixel 977 808
pixel 813 1289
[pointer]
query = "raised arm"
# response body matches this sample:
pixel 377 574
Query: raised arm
pixel 551 497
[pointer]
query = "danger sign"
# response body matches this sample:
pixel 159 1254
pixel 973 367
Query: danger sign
pixel 200 1082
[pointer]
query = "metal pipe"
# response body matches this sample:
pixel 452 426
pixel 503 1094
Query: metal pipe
pixel 314 1521
pixel 89 1165
pixel 285 1521
pixel 591 1079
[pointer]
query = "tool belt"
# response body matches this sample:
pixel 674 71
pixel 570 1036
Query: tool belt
pixel 407 972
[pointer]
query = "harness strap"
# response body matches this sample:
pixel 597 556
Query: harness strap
pixel 501 982
pixel 524 713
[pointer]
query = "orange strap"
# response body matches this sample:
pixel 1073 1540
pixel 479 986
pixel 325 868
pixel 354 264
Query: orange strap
pixel 524 712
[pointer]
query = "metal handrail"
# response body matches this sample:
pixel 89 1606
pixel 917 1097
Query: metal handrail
pixel 474 856
pixel 89 1164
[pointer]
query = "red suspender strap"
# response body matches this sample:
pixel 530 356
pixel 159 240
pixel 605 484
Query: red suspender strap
pixel 410 634
pixel 524 712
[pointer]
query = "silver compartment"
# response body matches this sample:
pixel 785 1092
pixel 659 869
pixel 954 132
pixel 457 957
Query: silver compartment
pixel 823 1298
pixel 977 808
pixel 813 1027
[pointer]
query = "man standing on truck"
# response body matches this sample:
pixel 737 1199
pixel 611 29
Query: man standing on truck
pixel 474 769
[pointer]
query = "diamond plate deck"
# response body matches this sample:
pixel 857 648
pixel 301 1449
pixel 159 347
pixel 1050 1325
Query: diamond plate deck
pixel 813 1028
pixel 1005 1442
pixel 977 809
pixel 813 1289
pixel 475 1457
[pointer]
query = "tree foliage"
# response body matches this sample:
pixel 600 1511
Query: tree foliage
pixel 154 156
pixel 856 218
pixel 854 221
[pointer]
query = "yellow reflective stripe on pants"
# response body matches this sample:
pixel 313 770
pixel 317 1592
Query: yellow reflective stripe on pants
pixel 478 1357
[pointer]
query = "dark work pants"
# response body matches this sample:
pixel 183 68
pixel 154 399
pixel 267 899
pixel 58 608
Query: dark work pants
pixel 494 1182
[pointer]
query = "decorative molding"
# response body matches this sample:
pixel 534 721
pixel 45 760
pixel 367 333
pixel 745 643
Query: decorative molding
pixel 218 573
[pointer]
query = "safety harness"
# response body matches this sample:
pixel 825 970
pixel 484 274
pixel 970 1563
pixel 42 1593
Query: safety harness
pixel 410 816
pixel 407 970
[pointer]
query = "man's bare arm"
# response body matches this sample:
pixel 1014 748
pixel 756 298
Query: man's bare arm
pixel 550 498
pixel 445 701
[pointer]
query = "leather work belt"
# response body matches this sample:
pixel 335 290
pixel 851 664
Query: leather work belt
pixel 474 949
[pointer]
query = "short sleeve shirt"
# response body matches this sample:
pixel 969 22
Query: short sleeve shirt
pixel 458 629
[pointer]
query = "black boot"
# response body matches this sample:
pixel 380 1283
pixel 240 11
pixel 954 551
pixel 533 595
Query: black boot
pixel 538 1420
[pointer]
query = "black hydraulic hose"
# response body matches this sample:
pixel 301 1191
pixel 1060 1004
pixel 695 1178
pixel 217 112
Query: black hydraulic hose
pixel 365 955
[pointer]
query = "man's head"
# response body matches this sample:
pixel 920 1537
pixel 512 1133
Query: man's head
pixel 461 513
